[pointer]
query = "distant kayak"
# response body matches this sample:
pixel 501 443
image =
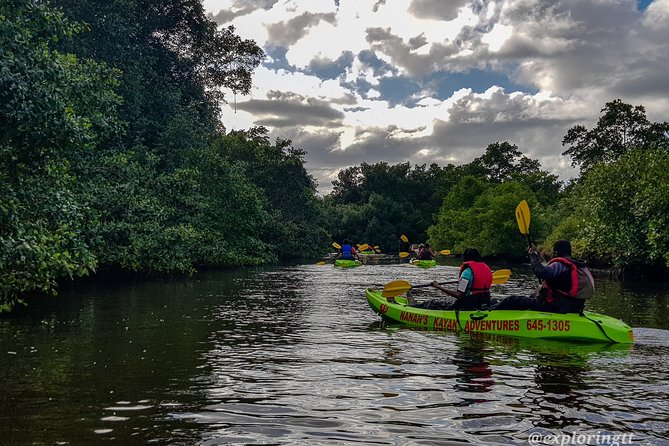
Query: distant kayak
pixel 592 327
pixel 341 263
pixel 423 263
pixel 365 253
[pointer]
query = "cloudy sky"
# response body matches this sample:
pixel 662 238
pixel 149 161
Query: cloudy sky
pixel 438 80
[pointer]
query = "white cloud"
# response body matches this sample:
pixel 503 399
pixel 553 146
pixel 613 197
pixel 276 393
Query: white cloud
pixel 571 56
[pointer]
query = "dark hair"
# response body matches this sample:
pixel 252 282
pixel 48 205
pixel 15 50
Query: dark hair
pixel 562 248
pixel 347 242
pixel 471 254
pixel 427 245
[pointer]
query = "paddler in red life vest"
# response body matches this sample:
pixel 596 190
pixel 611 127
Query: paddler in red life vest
pixel 566 283
pixel 473 291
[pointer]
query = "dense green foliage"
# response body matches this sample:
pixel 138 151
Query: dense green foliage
pixel 112 154
pixel 54 108
pixel 479 210
pixel 630 232
pixel 374 203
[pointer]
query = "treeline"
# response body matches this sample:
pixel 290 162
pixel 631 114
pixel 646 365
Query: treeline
pixel 112 154
pixel 615 213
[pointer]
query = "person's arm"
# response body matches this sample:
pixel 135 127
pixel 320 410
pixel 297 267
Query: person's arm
pixel 464 285
pixel 454 293
pixel 545 271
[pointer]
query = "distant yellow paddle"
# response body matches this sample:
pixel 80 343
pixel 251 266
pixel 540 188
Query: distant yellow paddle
pixel 404 254
pixel 404 238
pixel 363 247
pixel 399 287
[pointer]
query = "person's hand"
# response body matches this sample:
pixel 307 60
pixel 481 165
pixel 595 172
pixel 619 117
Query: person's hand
pixel 532 250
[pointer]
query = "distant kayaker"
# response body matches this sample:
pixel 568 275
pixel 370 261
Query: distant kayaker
pixel 425 252
pixel 347 252
pixel 473 290
pixel 566 283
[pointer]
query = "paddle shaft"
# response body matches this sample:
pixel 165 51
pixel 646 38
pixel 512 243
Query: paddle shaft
pixel 450 282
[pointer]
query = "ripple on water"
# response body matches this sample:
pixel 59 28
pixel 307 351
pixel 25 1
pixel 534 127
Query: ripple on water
pixel 295 356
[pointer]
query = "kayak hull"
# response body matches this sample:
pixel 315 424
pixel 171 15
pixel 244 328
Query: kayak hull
pixel 423 263
pixel 342 263
pixel 526 324
pixel 366 253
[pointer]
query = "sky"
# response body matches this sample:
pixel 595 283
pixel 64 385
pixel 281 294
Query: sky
pixel 436 81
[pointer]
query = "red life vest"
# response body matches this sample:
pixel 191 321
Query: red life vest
pixel 482 276
pixel 578 284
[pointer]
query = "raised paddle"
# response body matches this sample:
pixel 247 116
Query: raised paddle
pixel 399 287
pixel 445 252
pixel 523 219
pixel 404 238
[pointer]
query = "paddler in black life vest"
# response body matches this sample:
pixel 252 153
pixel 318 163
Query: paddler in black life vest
pixel 473 291
pixel 566 284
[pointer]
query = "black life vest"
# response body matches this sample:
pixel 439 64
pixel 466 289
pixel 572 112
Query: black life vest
pixel 577 283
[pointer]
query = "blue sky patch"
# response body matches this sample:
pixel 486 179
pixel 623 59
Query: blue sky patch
pixel 278 54
pixel 379 67
pixel 643 4
pixel 398 90
pixel 478 80
pixel 333 69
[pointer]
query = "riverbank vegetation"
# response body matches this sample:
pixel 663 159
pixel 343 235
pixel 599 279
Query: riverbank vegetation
pixel 113 157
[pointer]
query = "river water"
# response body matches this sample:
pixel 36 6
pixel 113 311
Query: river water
pixel 293 355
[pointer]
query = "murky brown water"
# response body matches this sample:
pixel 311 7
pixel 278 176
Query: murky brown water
pixel 293 355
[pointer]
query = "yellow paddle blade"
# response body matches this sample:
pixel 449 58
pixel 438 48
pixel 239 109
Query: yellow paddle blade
pixel 396 288
pixel 445 252
pixel 357 245
pixel 363 247
pixel 523 217
pixel 336 245
pixel 501 276
pixel 404 238
pixel 404 254
pixel 321 263
pixel 376 247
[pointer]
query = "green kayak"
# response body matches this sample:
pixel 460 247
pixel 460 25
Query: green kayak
pixel 366 253
pixel 342 263
pixel 423 263
pixel 590 327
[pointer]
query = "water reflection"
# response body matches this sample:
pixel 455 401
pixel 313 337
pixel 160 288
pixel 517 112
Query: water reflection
pixel 474 371
pixel 295 356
